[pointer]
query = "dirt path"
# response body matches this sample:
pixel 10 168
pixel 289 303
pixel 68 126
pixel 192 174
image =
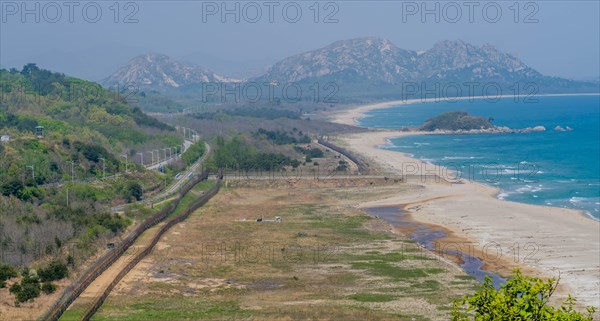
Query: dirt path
pixel 101 283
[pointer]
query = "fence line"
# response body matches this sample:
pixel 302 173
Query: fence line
pixel 363 168
pixel 198 203
pixel 73 291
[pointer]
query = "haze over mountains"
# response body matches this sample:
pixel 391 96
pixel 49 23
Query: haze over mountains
pixel 359 63
pixel 380 60
pixel 159 71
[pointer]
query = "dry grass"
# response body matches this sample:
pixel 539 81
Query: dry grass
pixel 327 260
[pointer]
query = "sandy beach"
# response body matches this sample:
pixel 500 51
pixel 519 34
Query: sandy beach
pixel 351 116
pixel 552 241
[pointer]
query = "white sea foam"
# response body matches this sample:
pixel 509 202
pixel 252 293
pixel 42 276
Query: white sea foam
pixel 460 157
pixel 530 189
pixel 576 200
pixel 429 161
pixel 497 166
pixel 503 195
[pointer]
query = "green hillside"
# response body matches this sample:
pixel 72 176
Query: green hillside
pixel 51 190
pixel 82 123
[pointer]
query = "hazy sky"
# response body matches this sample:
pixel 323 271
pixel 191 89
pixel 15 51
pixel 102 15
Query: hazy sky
pixel 559 38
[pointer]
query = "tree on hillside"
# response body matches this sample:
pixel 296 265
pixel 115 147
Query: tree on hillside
pixel 134 191
pixel 29 68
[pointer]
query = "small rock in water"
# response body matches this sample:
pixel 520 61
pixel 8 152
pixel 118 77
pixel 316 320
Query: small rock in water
pixel 538 129
pixel 533 129
pixel 559 129
pixel 569 129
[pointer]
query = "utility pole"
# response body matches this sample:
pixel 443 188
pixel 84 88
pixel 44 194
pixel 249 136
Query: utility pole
pixel 32 172
pixel 152 153
pixel 141 157
pixel 67 197
pixel 103 167
pixel 157 155
pixel 72 177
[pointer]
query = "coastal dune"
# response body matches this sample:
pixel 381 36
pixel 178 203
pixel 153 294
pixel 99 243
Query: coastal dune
pixel 553 242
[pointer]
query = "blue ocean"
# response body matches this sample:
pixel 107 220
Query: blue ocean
pixel 553 167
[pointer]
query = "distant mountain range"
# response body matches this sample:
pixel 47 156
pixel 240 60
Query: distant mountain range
pixel 363 66
pixel 379 60
pixel 157 71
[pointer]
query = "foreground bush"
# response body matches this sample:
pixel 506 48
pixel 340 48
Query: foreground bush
pixel 30 287
pixel 7 272
pixel 55 271
pixel 48 288
pixel 521 298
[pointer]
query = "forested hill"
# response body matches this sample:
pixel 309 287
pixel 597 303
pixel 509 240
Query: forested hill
pixel 70 106
pixel 50 190
pixel 82 122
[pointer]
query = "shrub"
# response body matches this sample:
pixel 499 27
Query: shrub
pixel 310 153
pixel 56 270
pixel 315 153
pixel 48 288
pixel 134 191
pixel 295 163
pixel 15 288
pixel 238 155
pixel 521 298
pixel 283 137
pixel 28 292
pixel 70 261
pixel 12 187
pixel 7 272
pixel 30 277
pixel 114 223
